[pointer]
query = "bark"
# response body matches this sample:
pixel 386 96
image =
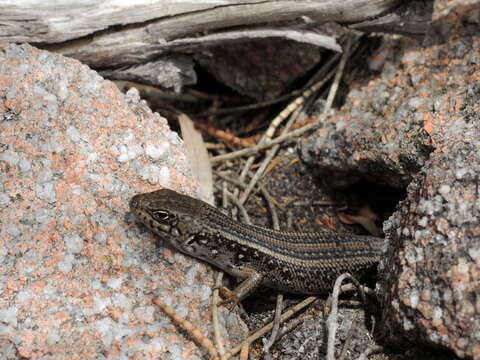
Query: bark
pixel 110 33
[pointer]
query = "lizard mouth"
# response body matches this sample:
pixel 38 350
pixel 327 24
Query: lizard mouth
pixel 162 228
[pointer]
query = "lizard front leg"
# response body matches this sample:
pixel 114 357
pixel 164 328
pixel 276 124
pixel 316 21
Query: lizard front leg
pixel 252 281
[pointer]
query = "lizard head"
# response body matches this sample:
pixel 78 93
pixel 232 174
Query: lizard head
pixel 168 213
pixel 181 221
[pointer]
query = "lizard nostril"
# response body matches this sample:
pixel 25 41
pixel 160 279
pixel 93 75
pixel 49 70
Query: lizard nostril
pixel 134 202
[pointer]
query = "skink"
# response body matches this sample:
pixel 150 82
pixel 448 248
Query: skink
pixel 293 262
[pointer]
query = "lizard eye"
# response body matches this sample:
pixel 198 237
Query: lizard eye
pixel 161 215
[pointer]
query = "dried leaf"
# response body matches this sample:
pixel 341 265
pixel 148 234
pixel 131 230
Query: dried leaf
pixel 198 156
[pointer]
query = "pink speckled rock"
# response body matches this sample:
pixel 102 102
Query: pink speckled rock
pixel 430 277
pixel 418 124
pixel 78 275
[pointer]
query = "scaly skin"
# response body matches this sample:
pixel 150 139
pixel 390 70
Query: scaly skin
pixel 303 263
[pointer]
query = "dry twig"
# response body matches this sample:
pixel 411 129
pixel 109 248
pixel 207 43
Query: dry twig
pixel 224 195
pixel 285 316
pixel 244 351
pixel 188 327
pixel 216 325
pixel 292 107
pixel 313 84
pixel 372 349
pixel 226 136
pixel 349 338
pixel 258 105
pixel 338 75
pixel 266 162
pixel 332 318
pixel 350 287
pixel 265 144
pixel 265 194
pixel 271 208
pixel 276 326
pixel 278 140
pixel 239 205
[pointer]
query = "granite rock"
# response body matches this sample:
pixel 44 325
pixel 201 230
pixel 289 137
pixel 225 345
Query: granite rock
pixel 430 277
pixel 78 274
pixel 418 124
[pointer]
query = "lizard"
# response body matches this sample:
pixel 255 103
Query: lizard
pixel 292 262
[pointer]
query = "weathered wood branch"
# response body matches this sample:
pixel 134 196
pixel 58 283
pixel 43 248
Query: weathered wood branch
pixel 412 18
pixel 309 37
pixel 108 33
